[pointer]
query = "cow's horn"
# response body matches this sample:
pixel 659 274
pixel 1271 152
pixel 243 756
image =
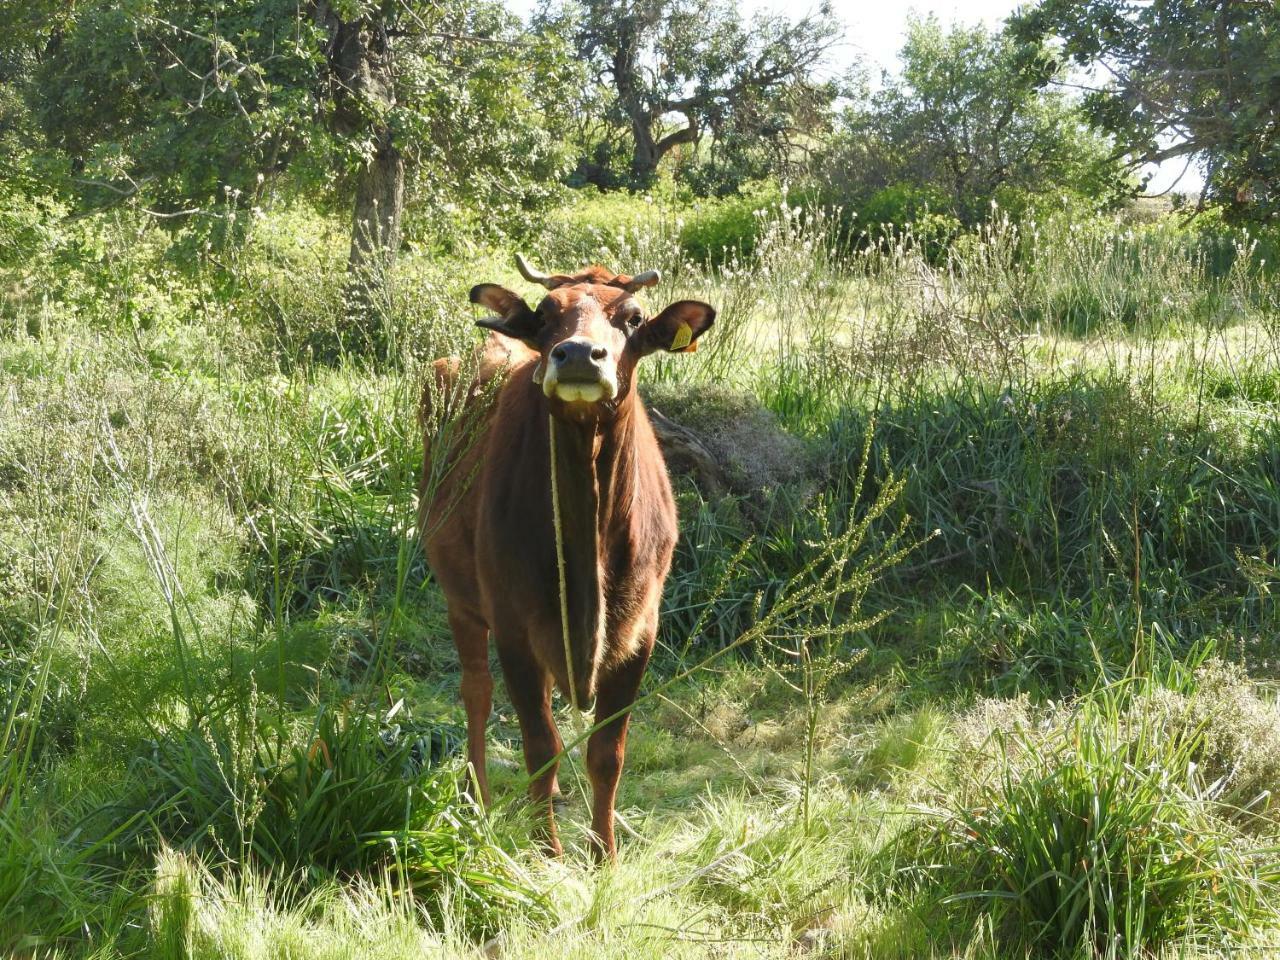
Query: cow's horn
pixel 530 274
pixel 647 279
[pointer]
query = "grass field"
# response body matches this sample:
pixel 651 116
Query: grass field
pixel 970 652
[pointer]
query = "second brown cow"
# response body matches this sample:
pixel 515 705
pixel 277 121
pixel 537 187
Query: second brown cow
pixel 562 374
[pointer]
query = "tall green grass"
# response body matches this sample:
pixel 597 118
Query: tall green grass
pixel 1096 837
pixel 228 712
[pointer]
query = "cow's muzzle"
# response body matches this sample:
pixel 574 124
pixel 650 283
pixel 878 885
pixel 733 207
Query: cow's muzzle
pixel 580 370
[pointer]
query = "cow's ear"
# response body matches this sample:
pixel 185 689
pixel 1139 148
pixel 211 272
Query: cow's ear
pixel 677 328
pixel 514 318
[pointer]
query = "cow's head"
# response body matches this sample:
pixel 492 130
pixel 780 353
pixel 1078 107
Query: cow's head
pixel 590 332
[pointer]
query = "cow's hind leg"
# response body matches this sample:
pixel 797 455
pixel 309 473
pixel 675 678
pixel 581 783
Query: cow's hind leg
pixel 471 637
pixel 607 746
pixel 529 689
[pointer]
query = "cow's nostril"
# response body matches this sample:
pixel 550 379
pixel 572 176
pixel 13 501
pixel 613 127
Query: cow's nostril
pixel 559 353
pixel 599 353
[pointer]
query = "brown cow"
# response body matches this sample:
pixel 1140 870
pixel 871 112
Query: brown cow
pixel 488 523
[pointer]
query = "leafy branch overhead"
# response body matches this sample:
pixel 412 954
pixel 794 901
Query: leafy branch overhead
pixel 1180 79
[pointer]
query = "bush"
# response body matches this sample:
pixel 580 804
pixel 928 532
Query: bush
pixel 598 227
pixel 903 204
pixel 1236 733
pixel 350 795
pixel 714 230
pixel 1093 838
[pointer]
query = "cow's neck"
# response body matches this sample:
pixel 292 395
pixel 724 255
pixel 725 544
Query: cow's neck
pixel 594 472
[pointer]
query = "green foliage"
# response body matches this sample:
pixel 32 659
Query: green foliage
pixel 1048 647
pixel 1183 79
pixel 966 123
pixel 207 571
pixel 48 887
pixel 224 113
pixel 716 230
pixel 54 884
pixel 900 204
pixel 697 232
pixel 350 794
pixel 1083 482
pixel 192 111
pixel 905 209
pixel 1096 838
pixel 749 85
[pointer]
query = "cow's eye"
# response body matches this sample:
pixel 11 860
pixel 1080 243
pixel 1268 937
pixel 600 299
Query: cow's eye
pixel 635 318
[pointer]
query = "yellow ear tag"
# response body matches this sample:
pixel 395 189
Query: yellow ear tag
pixel 683 337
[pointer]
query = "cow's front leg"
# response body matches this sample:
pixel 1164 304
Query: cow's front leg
pixel 529 687
pixel 607 747
pixel 471 636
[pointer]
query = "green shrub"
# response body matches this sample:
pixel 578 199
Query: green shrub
pixel 595 225
pixel 1094 839
pixel 899 205
pixel 604 227
pixel 1236 732
pixel 714 230
pixel 350 794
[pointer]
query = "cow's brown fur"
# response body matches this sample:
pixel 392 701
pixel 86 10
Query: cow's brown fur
pixel 486 521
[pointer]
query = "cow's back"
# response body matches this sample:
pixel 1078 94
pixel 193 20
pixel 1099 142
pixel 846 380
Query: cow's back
pixel 457 415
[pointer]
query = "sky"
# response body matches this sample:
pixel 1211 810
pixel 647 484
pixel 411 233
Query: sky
pixel 875 30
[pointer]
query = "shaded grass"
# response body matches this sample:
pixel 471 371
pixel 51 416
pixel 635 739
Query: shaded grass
pixel 351 795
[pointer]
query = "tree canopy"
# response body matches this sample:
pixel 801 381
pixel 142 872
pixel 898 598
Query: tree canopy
pixel 967 121
pixel 186 106
pixel 430 117
pixel 1181 78
pixel 675 72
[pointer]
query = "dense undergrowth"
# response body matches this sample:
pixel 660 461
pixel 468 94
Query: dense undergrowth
pixel 961 658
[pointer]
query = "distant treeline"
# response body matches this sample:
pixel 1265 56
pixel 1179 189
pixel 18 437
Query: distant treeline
pixel 419 119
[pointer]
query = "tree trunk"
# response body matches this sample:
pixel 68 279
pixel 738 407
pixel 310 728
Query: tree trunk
pixel 645 156
pixel 375 228
pixel 644 113
pixel 648 152
pixel 362 82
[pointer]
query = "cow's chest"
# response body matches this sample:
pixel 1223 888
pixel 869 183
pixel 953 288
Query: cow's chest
pixel 616 562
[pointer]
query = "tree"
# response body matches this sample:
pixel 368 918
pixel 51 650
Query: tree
pixel 188 108
pixel 677 70
pixel 1181 78
pixel 360 68
pixel 967 121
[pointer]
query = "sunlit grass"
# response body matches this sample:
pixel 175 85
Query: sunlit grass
pixel 229 693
